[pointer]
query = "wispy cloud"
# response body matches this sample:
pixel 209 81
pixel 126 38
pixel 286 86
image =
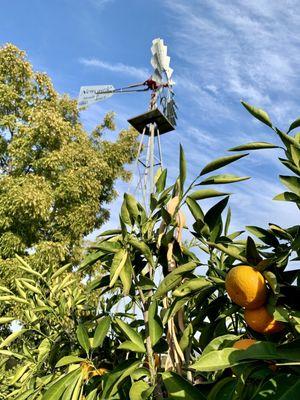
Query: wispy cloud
pixel 138 73
pixel 100 3
pixel 245 49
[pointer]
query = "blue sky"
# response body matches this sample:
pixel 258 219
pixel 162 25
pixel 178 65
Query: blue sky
pixel 221 52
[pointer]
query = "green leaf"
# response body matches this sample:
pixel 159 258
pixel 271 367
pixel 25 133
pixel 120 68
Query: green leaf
pixel 252 254
pixel 44 350
pixel 223 389
pixel 280 387
pixel 143 248
pixel 290 165
pixel 132 206
pixel 92 395
pixel 108 246
pixel 187 336
pixel 30 287
pixel 126 276
pixel 294 124
pixel 173 278
pixel 271 278
pixel 5 290
pixel 182 168
pixel 214 360
pixel 18 373
pixel 90 259
pixel 254 146
pixel 220 342
pixel 101 331
pixel 227 222
pixel 57 389
pixel 73 390
pixel 229 249
pixel 264 235
pixel 221 162
pixel 177 305
pixel 68 360
pixel 280 232
pixel 25 395
pixel 258 113
pixel 287 139
pixel 287 196
pixel 145 283
pixel 190 286
pixel 213 215
pixel 13 298
pixel 112 380
pixel 206 193
pixel 130 346
pixel 161 181
pixel 195 209
pixel 131 334
pixel 220 359
pixel 155 324
pixel 223 179
pixel 6 320
pixel 13 336
pixel 60 271
pixel 111 232
pixel 179 388
pixel 8 353
pixel 23 265
pixel 117 265
pixel 124 215
pixel 292 183
pixel 83 337
pixel 137 389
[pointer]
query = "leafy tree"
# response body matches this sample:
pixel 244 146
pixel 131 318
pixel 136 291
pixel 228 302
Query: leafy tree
pixel 162 324
pixel 56 180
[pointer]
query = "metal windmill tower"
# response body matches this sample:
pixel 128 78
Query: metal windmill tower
pixel 159 119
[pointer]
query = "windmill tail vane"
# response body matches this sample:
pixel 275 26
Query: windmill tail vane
pixel 92 94
pixel 159 119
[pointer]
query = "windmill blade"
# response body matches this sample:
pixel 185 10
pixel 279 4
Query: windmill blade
pixel 171 112
pixel 156 76
pixel 160 60
pixel 91 94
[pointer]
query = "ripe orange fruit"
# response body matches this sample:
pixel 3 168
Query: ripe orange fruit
pixel 261 321
pixel 246 287
pixel 243 344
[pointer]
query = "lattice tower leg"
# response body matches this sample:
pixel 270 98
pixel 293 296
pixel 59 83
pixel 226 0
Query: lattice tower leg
pixel 148 160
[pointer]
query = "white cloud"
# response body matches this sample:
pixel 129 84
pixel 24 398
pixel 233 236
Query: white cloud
pixel 138 73
pixel 245 49
pixel 100 3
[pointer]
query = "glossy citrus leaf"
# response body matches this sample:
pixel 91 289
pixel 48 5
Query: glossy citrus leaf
pixel 258 113
pixel 206 193
pixel 221 162
pixel 223 179
pixel 83 337
pixel 101 331
pixel 254 146
pixel 179 388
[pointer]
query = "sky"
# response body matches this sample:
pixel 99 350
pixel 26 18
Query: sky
pixel 221 52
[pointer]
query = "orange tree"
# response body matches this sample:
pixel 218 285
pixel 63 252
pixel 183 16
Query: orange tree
pixel 152 321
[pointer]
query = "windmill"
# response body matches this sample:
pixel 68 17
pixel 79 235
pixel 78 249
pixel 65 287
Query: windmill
pixel 159 119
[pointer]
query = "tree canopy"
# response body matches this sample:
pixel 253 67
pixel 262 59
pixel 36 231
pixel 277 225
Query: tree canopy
pixel 56 179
